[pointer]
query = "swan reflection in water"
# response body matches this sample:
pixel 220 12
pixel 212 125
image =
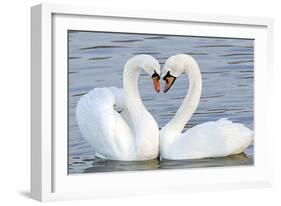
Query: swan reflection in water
pixel 101 165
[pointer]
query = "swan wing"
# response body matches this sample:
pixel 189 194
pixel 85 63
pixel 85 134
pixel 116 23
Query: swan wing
pixel 120 105
pixel 102 126
pixel 212 139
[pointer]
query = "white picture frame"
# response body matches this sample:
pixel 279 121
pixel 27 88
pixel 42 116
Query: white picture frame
pixel 49 178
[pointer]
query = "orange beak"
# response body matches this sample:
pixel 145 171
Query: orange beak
pixel 169 82
pixel 169 79
pixel 156 83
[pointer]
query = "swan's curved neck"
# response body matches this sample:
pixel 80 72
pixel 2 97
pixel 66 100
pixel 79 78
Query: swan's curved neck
pixel 130 84
pixel 135 107
pixel 190 101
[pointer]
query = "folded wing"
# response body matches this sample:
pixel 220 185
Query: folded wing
pixel 104 123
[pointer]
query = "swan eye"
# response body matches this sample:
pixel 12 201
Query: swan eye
pixel 155 75
pixel 168 75
pixel 166 79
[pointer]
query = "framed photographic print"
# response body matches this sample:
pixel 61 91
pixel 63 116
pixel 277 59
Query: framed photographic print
pixel 136 102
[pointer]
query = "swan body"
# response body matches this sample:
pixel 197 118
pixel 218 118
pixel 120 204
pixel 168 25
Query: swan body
pixel 115 122
pixel 210 139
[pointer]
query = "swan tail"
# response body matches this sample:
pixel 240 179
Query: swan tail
pixel 237 137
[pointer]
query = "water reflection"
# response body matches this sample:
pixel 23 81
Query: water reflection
pixel 233 160
pixel 100 165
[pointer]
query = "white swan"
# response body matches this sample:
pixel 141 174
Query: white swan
pixel 211 139
pixel 131 134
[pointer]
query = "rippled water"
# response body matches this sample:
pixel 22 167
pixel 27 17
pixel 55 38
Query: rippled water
pixel 96 59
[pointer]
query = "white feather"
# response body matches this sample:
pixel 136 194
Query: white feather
pixel 210 139
pixel 102 126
